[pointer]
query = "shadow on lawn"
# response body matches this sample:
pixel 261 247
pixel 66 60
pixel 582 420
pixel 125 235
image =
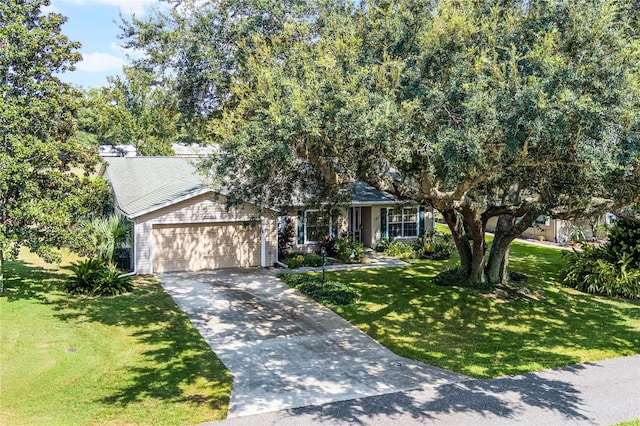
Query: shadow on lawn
pixel 175 355
pixel 460 329
pixel 25 281
pixel 505 398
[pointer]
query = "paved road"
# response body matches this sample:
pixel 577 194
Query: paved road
pixel 600 393
pixel 286 351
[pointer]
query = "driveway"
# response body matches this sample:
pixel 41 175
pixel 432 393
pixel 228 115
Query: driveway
pixel 286 351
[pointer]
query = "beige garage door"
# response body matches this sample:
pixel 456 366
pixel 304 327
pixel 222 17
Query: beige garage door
pixel 196 247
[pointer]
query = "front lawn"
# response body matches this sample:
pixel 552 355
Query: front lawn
pixel 129 359
pixel 482 335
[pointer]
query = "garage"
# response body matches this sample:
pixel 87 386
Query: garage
pixel 203 246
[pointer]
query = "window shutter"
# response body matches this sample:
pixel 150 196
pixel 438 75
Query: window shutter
pixel 421 228
pixel 300 227
pixel 383 222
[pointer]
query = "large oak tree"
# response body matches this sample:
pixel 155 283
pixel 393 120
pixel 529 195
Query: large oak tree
pixel 480 108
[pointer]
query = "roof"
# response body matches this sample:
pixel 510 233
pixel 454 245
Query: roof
pixel 145 184
pixel 366 194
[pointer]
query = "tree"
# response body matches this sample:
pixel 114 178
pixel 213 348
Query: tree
pixel 479 108
pixel 42 192
pixel 130 110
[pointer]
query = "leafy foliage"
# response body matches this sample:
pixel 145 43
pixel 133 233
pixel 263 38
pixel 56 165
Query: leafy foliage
pixel 296 260
pixel 383 244
pixel 43 192
pixel 105 236
pixel 478 110
pixel 400 250
pixel 436 247
pixel 593 271
pixel 286 235
pixel 327 293
pixel 134 110
pixel 349 250
pixel 95 277
pixel 624 240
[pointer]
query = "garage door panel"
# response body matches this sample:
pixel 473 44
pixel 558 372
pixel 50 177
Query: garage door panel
pixel 200 247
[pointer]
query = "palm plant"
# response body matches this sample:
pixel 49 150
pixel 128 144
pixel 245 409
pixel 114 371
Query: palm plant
pixel 108 234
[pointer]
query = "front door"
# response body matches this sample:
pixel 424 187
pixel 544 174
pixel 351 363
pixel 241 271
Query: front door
pixel 355 223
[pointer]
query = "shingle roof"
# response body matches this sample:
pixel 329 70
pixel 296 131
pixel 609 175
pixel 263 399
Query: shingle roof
pixel 366 194
pixel 143 184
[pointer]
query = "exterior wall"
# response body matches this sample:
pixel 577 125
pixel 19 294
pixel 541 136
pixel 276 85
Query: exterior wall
pixel 558 231
pixel 205 208
pixel 371 223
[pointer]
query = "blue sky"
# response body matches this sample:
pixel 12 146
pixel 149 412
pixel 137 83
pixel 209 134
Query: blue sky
pixel 91 22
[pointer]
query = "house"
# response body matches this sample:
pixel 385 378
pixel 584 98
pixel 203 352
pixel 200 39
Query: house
pixel 179 223
pixel 179 149
pixel 370 215
pixel 558 230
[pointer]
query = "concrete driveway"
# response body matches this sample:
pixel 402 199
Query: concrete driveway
pixel 286 351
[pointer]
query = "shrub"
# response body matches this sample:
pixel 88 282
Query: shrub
pixel 312 260
pixel 455 277
pixel 383 245
pixel 329 245
pixel 624 239
pixel 400 250
pixel 593 271
pixel 93 276
pixel 111 282
pixel 84 276
pixel 435 247
pixel 293 260
pixel 327 293
pixel 349 250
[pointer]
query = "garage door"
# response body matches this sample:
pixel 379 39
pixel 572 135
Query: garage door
pixel 196 247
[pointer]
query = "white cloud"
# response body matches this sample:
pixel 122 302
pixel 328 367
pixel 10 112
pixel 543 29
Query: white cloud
pixel 128 52
pixel 100 62
pixel 133 6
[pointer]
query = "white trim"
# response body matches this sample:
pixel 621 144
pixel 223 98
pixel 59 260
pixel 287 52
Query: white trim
pixel 417 222
pixel 193 194
pixel 263 244
pixel 151 249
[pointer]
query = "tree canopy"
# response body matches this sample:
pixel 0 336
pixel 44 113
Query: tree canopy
pixel 45 186
pixel 479 108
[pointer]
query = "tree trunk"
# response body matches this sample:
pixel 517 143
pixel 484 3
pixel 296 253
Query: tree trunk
pixel 477 227
pixel 498 262
pixel 460 238
pixel 507 230
pixel 1 272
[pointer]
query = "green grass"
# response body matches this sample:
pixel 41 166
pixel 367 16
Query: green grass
pixel 478 334
pixel 129 359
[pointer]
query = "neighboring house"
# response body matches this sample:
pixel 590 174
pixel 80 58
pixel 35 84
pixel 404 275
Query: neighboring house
pixel 179 149
pixel 179 223
pixel 117 151
pixel 557 230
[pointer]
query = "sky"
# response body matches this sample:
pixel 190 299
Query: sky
pixel 94 23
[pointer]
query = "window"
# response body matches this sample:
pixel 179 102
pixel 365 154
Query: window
pixel 402 222
pixel 317 225
pixel 543 220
